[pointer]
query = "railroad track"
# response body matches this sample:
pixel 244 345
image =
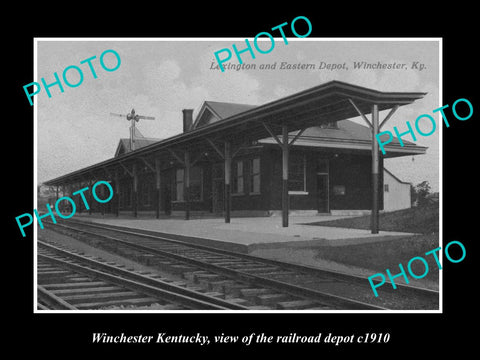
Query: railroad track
pixel 266 283
pixel 69 281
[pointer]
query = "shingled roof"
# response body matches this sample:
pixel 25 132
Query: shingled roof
pixel 347 133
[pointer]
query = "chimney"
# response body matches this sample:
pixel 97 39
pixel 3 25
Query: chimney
pixel 187 119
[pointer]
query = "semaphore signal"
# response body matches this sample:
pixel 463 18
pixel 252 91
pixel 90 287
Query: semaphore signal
pixel 133 118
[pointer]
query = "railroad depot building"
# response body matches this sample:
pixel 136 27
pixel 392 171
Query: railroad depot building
pixel 300 154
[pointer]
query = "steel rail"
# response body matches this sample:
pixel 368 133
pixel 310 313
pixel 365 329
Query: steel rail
pixel 51 300
pixel 139 282
pixel 406 289
pixel 298 291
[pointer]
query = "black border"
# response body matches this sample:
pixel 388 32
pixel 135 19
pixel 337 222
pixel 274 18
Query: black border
pixel 411 334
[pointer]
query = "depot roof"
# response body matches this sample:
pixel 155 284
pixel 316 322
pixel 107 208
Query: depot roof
pixel 322 104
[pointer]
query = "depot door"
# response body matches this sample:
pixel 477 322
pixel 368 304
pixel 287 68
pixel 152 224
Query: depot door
pixel 322 193
pixel 218 188
pixel 167 199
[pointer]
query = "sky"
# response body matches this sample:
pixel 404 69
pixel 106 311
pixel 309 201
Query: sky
pixel 161 77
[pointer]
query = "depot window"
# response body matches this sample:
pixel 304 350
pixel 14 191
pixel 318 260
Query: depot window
pixel 179 174
pixel 296 173
pixel 255 176
pixel 237 178
pixel 196 184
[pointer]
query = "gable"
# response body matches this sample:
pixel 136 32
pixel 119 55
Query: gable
pixel 122 147
pixel 124 144
pixel 207 117
pixel 213 111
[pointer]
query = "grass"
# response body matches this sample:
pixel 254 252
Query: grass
pixel 383 255
pixel 420 220
pixel 387 254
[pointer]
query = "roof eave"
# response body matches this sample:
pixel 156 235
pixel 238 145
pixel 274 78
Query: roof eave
pixel 368 96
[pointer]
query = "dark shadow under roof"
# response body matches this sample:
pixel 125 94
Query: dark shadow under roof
pixel 329 102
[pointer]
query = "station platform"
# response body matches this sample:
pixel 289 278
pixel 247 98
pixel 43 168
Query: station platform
pixel 247 234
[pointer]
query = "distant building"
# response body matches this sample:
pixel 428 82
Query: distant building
pixel 396 193
pixel 329 160
pixel 329 171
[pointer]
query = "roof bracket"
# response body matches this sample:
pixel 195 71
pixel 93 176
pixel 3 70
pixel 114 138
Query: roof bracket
pixel 196 159
pixel 297 135
pixel 388 116
pixel 175 155
pixel 126 169
pixel 150 166
pixel 240 147
pixel 361 113
pixel 109 174
pixel 272 134
pixel 216 148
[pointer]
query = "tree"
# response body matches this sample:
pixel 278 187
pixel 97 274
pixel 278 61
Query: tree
pixel 420 193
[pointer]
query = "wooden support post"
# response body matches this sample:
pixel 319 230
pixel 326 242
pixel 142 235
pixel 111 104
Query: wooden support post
pixel 228 175
pixel 284 145
pixel 79 202
pixel 70 194
pixel 374 216
pixel 76 199
pixel 117 192
pixel 102 205
pixel 134 192
pixel 374 125
pixel 62 193
pixel 285 199
pixel 90 196
pixel 186 185
pixel 64 206
pixel 158 192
